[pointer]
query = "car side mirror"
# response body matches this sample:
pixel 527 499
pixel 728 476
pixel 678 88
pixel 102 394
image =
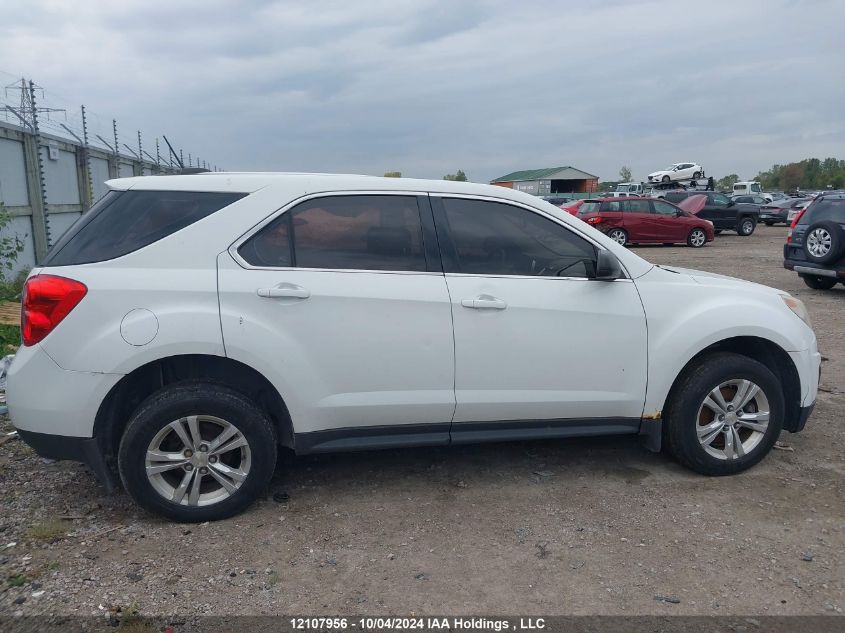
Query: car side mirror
pixel 608 267
pixel 731 203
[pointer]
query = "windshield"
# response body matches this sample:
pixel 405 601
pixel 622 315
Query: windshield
pixel 671 168
pixel 755 188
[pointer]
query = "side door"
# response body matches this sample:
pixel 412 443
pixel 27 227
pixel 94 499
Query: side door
pixel 341 301
pixel 636 218
pixel 541 349
pixel 672 226
pixel 724 211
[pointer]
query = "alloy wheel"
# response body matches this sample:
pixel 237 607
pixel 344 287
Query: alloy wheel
pixel 697 237
pixel 732 419
pixel 747 227
pixel 198 460
pixel 618 236
pixel 819 242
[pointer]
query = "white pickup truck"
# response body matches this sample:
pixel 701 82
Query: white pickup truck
pixel 626 189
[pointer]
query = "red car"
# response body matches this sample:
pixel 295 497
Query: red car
pixel 633 220
pixel 572 207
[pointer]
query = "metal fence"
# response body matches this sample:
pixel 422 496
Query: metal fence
pixel 53 166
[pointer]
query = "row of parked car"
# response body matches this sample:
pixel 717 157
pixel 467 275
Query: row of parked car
pixel 682 217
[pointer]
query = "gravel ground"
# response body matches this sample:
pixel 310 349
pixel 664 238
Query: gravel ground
pixel 594 526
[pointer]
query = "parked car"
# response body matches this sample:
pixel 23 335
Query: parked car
pixel 724 213
pixel 815 246
pixel 559 201
pixel 775 212
pixel 759 200
pixel 797 209
pixel 187 327
pixel 572 207
pixel 646 221
pixel 678 171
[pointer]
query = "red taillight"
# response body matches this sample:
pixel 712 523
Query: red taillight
pixel 793 223
pixel 47 299
pixel 596 219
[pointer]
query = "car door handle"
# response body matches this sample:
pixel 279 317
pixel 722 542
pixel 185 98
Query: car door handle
pixel 484 302
pixel 284 291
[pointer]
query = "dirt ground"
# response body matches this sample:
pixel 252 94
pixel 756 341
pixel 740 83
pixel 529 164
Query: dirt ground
pixel 594 526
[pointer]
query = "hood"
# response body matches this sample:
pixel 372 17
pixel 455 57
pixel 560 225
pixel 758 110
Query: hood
pixel 693 204
pixel 659 172
pixel 713 279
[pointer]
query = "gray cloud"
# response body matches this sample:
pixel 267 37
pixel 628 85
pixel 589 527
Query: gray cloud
pixel 430 86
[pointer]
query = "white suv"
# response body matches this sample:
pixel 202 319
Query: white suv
pixel 187 327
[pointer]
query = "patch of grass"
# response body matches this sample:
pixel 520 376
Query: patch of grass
pixel 11 290
pixel 18 580
pixel 48 531
pixel 10 339
pixel 272 580
pixel 54 565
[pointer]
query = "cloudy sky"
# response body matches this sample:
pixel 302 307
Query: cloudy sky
pixel 430 86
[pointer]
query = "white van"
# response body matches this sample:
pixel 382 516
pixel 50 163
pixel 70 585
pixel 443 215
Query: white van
pixel 747 187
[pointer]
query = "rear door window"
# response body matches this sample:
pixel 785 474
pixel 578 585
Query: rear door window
pixel 342 233
pixel 122 222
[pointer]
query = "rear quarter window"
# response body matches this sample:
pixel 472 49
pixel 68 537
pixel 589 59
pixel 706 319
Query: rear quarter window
pixel 825 209
pixel 125 221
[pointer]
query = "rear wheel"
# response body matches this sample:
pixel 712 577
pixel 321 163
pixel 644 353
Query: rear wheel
pixel 819 283
pixel 197 451
pixel 823 242
pixel 746 226
pixel 724 414
pixel 618 235
pixel 696 175
pixel 696 238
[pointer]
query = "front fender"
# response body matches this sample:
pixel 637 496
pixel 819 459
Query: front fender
pixel 685 316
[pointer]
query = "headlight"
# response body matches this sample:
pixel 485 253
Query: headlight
pixel 798 307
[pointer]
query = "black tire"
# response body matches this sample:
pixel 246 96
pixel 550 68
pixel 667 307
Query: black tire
pixel 717 231
pixel 768 223
pixel 680 422
pixel 745 226
pixel 696 175
pixel 819 283
pixel 622 233
pixel 665 179
pixel 693 239
pixel 196 398
pixel 835 236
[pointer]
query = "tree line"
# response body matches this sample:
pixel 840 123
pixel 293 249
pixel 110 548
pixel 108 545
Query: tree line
pixel 808 174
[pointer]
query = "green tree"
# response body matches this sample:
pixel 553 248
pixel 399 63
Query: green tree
pixel 625 174
pixel 792 176
pixel 727 182
pixel 10 245
pixel 460 176
pixel 393 174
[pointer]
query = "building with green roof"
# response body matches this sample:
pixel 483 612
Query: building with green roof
pixel 549 181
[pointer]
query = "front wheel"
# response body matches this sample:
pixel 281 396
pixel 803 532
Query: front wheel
pixel 197 451
pixel 724 414
pixel 618 235
pixel 665 179
pixel 819 283
pixel 696 238
pixel 746 227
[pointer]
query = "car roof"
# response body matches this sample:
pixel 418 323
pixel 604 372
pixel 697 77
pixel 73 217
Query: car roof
pixel 250 182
